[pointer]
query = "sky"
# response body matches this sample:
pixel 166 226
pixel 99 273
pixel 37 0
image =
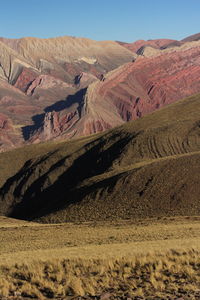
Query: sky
pixel 122 20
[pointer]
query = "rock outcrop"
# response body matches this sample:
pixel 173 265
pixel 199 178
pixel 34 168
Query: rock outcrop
pixel 26 77
pixel 84 79
pixel 45 82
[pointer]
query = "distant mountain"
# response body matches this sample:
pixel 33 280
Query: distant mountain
pixel 158 44
pixel 148 167
pixel 192 38
pixel 126 93
pixel 36 73
pixel 66 87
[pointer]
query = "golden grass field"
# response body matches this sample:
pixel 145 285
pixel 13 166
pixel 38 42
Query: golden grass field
pixel 121 210
pixel 148 258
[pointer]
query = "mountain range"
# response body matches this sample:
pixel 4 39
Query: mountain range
pixel 66 87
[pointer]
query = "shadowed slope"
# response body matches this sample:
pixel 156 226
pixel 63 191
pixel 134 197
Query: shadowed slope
pixel 148 167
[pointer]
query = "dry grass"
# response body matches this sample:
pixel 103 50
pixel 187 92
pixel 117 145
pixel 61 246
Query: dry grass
pixel 151 276
pixel 19 236
pixel 66 260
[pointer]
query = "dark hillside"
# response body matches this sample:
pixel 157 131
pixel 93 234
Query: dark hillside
pixel 148 167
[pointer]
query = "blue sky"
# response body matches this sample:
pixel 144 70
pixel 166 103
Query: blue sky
pixel 124 20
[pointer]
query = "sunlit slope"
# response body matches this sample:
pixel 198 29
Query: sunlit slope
pixel 148 167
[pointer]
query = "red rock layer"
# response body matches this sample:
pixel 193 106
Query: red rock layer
pixel 25 79
pixel 130 92
pixel 45 80
pixel 150 83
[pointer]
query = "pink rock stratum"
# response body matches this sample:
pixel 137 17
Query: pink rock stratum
pixel 68 87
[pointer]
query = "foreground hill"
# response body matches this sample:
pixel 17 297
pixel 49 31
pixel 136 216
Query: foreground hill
pixel 149 167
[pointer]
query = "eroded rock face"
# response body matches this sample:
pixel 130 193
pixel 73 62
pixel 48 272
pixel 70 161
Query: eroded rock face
pixel 63 58
pixel 37 75
pixel 150 83
pixel 26 77
pixel 55 124
pixel 130 92
pixel 43 82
